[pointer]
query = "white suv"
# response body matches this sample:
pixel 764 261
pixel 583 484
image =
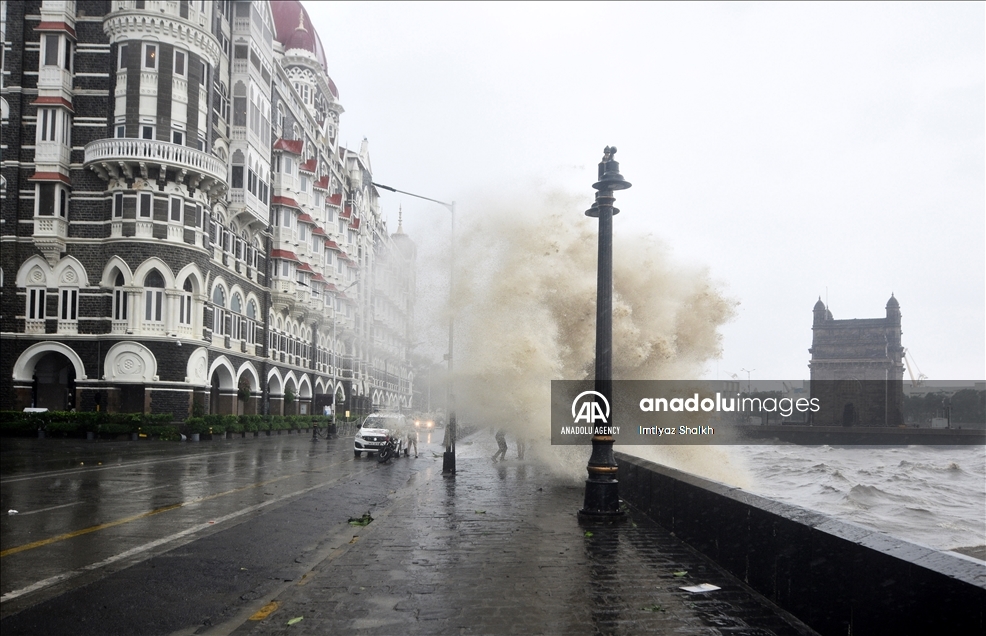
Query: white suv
pixel 373 432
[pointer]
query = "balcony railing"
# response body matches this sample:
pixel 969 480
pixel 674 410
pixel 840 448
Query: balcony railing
pixel 58 9
pixel 34 326
pixel 50 227
pixel 171 8
pixel 52 153
pixel 108 157
pixel 68 326
pixel 55 77
pixel 286 236
pixel 279 285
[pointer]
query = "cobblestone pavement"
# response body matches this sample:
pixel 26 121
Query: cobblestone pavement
pixel 498 550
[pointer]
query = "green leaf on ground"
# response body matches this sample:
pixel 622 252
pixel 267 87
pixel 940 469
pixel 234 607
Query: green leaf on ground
pixel 588 533
pixel 681 573
pixel 653 608
pixel 361 521
pixel 296 619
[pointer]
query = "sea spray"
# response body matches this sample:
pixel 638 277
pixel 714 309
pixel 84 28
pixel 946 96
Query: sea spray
pixel 524 303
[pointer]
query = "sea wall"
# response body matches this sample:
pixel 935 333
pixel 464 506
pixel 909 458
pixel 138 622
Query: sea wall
pixel 839 578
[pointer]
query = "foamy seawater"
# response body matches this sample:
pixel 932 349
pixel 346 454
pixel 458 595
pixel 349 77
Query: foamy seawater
pixel 935 495
pixel 524 302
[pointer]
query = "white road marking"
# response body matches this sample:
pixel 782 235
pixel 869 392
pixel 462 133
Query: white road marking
pixel 34 512
pixel 175 485
pixel 9 596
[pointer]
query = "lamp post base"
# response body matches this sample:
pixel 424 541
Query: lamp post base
pixel 602 503
pixel 448 462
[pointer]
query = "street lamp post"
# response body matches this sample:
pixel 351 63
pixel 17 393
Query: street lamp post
pixel 602 496
pixel 335 363
pixel 448 460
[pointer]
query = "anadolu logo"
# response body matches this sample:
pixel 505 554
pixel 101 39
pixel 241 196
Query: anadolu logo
pixel 590 411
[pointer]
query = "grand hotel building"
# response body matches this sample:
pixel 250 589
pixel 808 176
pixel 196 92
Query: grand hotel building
pixel 181 230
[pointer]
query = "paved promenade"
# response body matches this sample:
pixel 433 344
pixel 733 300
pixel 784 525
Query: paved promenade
pixel 498 550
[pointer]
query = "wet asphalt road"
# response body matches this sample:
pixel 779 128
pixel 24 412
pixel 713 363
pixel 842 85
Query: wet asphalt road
pixel 158 537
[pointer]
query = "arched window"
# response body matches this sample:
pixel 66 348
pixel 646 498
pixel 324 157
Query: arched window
pixel 121 301
pixel 219 311
pixel 236 308
pixel 185 311
pixel 251 323
pixel 154 297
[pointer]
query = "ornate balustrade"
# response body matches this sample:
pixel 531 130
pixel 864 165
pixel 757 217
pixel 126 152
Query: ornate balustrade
pixel 109 158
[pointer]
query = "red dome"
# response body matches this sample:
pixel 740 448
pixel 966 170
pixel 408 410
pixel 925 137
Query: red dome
pixel 300 39
pixel 296 31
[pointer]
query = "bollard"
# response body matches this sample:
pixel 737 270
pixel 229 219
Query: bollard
pixel 90 436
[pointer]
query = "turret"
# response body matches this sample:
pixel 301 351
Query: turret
pixel 820 312
pixel 893 310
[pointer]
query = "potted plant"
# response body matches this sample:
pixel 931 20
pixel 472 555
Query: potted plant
pixel 196 426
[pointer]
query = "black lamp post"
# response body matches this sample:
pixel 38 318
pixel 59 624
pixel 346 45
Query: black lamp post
pixel 602 495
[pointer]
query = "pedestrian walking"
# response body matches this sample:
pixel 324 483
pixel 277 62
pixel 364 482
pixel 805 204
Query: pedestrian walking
pixel 412 440
pixel 501 441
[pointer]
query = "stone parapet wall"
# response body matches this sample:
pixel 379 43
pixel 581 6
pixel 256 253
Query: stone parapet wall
pixel 838 577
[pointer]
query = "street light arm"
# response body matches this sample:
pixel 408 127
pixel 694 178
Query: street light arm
pixel 449 206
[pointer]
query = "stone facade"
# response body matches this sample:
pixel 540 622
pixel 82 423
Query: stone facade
pixel 180 225
pixel 857 368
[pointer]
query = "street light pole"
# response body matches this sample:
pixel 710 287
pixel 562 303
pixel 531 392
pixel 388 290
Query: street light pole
pixel 602 497
pixel 335 364
pixel 448 460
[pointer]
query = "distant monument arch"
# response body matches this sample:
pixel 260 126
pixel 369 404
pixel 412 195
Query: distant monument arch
pixel 857 368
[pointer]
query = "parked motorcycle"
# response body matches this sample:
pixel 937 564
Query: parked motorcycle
pixel 390 449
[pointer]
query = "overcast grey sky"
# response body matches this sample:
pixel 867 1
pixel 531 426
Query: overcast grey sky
pixel 795 150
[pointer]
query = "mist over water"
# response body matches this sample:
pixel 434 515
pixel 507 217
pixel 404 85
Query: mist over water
pixel 525 303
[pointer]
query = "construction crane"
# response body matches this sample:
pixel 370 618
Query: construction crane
pixel 911 363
